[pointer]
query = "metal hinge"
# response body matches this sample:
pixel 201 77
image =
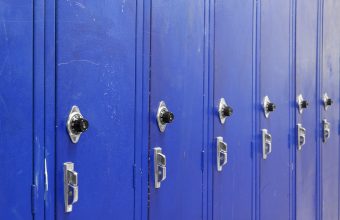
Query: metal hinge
pixel 34 198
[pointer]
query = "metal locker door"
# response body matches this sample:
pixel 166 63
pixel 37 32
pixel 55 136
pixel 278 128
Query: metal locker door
pixel 177 52
pixel 329 101
pixel 16 109
pixel 306 106
pixel 95 74
pixel 274 105
pixel 233 182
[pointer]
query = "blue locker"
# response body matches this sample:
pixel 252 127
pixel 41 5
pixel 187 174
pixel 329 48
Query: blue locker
pixel 16 109
pixel 306 135
pixel 274 59
pixel 329 121
pixel 95 74
pixel 176 96
pixel 233 67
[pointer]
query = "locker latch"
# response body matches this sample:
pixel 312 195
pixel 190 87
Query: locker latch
pixel 301 136
pixel 159 167
pixel 266 143
pixel 268 106
pixel 70 186
pixel 326 130
pixel 76 124
pixel 302 104
pixel 327 102
pixel 224 110
pixel 164 116
pixel 222 153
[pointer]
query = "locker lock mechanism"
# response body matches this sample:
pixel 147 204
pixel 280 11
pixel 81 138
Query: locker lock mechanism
pixel 164 116
pixel 268 106
pixel 326 130
pixel 302 104
pixel 159 166
pixel 327 102
pixel 266 143
pixel 222 153
pixel 301 137
pixel 224 110
pixel 76 124
pixel 70 186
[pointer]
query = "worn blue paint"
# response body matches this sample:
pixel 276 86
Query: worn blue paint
pixel 177 73
pixel 330 84
pixel 233 186
pixel 95 61
pixel 306 58
pixel 274 55
pixel 38 107
pixel 16 109
pixel 50 118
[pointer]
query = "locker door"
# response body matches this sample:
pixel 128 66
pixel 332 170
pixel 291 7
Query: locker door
pixel 177 40
pixel 95 72
pixel 306 105
pixel 16 108
pixel 330 85
pixel 274 58
pixel 232 186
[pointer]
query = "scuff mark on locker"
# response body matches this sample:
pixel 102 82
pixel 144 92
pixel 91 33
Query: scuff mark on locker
pixel 5 30
pixel 123 5
pixel 75 61
pixel 80 5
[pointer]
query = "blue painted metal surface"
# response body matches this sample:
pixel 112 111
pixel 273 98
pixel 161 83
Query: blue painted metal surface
pixel 306 158
pixel 233 186
pixel 177 55
pixel 274 54
pixel 142 109
pixel 16 109
pixel 98 55
pixel 40 185
pixel 50 117
pixel 95 53
pixel 330 77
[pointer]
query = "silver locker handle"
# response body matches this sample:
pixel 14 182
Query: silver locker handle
pixel 266 144
pixel 159 167
pixel 70 186
pixel 222 153
pixel 301 136
pixel 326 130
